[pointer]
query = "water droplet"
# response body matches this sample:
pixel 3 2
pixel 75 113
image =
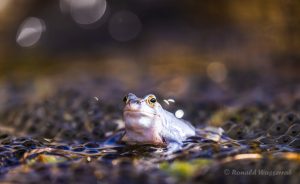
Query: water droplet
pixel 171 100
pixel 179 113
pixel 167 102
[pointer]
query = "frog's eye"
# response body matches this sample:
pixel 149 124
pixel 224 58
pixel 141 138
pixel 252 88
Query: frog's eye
pixel 151 100
pixel 125 99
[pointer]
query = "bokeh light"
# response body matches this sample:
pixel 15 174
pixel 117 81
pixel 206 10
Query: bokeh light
pixel 84 12
pixel 30 31
pixel 3 4
pixel 124 26
pixel 217 71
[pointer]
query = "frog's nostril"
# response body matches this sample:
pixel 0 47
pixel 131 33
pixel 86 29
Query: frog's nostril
pixel 134 104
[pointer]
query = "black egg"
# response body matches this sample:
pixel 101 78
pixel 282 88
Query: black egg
pixel 294 130
pixel 290 117
pixel 277 129
pixel 236 132
pixel 284 139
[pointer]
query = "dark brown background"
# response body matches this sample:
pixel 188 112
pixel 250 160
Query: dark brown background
pixel 259 40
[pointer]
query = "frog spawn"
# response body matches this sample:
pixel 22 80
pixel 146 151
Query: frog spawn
pixel 236 132
pixel 284 131
pixel 270 135
pixel 67 119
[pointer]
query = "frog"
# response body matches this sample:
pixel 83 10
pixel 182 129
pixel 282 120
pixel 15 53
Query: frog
pixel 147 122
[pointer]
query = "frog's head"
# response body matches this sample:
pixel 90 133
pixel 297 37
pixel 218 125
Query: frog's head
pixel 143 107
pixel 143 119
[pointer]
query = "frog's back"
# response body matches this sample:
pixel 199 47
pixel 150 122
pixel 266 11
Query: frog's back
pixel 176 130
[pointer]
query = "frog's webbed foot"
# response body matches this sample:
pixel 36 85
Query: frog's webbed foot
pixel 211 133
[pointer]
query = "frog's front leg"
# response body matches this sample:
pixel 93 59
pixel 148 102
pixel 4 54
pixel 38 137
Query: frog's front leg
pixel 115 139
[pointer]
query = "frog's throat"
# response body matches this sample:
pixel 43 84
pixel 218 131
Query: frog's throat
pixel 141 113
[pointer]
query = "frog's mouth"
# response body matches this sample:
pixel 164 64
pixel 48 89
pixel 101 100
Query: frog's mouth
pixel 136 113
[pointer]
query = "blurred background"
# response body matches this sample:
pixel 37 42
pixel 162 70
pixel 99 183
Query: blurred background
pixel 65 66
pixel 190 50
